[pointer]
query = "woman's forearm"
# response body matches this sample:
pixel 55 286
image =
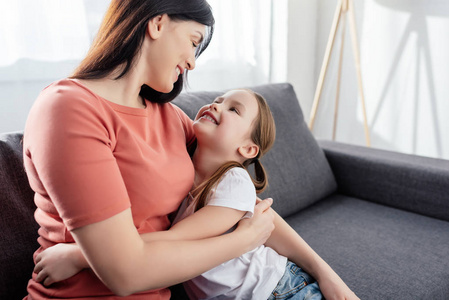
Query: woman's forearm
pixel 190 258
pixel 126 264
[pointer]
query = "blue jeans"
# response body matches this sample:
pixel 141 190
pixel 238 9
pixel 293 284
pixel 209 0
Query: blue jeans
pixel 296 284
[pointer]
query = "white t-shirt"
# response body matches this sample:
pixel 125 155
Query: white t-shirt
pixel 255 274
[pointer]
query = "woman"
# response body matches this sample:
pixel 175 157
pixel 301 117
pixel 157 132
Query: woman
pixel 107 159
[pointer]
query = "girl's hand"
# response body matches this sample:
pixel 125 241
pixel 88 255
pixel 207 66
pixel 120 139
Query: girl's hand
pixel 58 263
pixel 333 288
pixel 260 226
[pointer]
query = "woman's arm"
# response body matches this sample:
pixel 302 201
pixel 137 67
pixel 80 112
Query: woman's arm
pixel 287 242
pixel 135 261
pixel 62 261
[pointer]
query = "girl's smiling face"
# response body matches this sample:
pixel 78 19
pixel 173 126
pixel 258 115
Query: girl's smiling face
pixel 225 126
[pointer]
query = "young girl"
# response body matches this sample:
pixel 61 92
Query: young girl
pixel 232 133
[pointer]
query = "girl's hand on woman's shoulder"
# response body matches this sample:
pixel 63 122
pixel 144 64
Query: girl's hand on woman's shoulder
pixel 258 228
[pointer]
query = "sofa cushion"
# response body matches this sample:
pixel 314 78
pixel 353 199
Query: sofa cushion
pixel 18 229
pixel 299 174
pixel 379 251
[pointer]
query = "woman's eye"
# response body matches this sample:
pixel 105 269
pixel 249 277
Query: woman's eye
pixel 194 45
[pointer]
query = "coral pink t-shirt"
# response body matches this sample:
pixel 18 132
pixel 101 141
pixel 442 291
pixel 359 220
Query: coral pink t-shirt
pixel 88 159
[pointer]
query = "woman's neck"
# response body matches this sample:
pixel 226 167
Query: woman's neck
pixel 124 91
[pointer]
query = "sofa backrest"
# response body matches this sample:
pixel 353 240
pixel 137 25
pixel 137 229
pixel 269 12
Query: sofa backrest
pixel 18 229
pixel 299 175
pixel 298 172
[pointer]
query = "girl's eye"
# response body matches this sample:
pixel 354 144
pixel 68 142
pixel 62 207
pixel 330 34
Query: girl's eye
pixel 234 110
pixel 194 45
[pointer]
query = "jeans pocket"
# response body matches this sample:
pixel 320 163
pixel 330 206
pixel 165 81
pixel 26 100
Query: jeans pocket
pixel 293 280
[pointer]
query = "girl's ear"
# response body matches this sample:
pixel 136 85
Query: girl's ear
pixel 249 151
pixel 156 24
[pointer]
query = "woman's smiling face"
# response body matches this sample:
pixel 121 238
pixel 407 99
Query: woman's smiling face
pixel 171 50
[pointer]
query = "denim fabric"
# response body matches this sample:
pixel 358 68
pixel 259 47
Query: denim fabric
pixel 296 284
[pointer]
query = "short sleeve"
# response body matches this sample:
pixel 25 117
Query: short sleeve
pixel 235 190
pixel 69 155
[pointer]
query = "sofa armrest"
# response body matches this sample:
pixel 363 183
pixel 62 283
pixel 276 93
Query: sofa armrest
pixel 409 182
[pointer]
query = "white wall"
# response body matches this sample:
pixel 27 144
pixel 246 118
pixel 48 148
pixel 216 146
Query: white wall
pixel 405 67
pixel 405 72
pixel 46 42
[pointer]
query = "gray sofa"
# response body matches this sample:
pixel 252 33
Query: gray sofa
pixel 379 218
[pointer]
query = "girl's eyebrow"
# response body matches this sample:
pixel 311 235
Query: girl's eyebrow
pixel 238 104
pixel 219 99
pixel 232 102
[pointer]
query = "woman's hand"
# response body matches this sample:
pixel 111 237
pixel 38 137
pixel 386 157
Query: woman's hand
pixel 58 263
pixel 333 288
pixel 260 226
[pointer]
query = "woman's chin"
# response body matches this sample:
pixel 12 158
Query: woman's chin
pixel 164 89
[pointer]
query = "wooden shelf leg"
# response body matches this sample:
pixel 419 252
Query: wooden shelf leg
pixel 325 65
pixel 357 65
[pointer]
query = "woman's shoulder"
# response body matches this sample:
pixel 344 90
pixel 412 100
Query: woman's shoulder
pixel 185 120
pixel 179 112
pixel 64 103
pixel 66 89
pixel 66 96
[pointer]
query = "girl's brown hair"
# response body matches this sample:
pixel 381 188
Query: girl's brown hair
pixel 263 135
pixel 122 32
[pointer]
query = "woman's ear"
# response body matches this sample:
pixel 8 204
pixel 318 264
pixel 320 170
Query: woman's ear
pixel 249 151
pixel 156 25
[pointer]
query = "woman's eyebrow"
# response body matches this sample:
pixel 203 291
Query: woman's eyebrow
pixel 201 36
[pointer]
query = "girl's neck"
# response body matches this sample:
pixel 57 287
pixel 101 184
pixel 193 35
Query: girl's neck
pixel 206 162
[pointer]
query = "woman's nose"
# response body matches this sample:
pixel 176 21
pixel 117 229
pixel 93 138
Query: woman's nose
pixel 191 62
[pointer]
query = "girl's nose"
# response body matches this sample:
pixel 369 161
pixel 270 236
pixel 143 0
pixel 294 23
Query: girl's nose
pixel 215 107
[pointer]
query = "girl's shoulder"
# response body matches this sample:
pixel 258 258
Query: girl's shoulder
pixel 236 176
pixel 237 172
pixel 235 190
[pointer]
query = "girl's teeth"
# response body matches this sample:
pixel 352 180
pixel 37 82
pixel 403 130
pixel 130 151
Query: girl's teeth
pixel 210 119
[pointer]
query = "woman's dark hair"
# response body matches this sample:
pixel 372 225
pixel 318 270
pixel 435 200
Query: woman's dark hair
pixel 122 32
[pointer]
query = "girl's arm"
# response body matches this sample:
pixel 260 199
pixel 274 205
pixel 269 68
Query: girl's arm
pixel 209 221
pixel 167 245
pixel 287 242
pixel 58 263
